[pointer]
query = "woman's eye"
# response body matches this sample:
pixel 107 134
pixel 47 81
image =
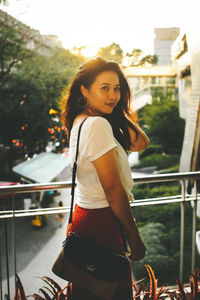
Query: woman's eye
pixel 106 88
pixel 117 89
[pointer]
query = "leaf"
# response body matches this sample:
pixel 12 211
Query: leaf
pixel 47 297
pixel 139 290
pixel 153 283
pixel 68 288
pixel 194 278
pixel 160 291
pixel 45 287
pixel 19 293
pixel 134 285
pixel 37 297
pixel 180 288
pixel 192 285
pixel 53 284
pixel 146 296
pixel 69 291
pixel 61 295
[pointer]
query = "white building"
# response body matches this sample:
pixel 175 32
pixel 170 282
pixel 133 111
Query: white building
pixel 186 55
pixel 43 44
pixel 164 38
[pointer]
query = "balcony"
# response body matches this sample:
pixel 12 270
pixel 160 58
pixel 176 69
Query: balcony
pixel 31 253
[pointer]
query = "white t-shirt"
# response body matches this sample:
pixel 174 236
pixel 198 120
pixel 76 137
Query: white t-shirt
pixel 95 140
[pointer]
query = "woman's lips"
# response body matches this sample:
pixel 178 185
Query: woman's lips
pixel 110 104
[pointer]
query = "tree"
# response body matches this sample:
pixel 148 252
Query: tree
pixel 138 59
pixel 112 52
pixel 164 125
pixel 30 86
pixel 29 95
pixel 12 46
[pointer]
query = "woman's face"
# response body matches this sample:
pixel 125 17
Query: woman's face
pixel 104 93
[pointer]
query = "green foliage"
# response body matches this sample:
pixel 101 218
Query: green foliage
pixel 152 191
pixel 26 99
pixel 12 47
pixel 138 59
pixel 111 52
pixel 159 160
pixel 151 149
pixel 173 169
pixel 163 122
pixel 169 215
pixel 30 85
pixel 157 253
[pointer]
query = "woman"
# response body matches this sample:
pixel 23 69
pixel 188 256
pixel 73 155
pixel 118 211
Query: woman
pixel 100 93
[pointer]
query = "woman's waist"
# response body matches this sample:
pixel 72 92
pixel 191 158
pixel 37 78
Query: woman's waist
pixel 91 201
pixel 96 200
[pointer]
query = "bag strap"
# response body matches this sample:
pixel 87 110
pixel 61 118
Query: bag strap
pixel 74 169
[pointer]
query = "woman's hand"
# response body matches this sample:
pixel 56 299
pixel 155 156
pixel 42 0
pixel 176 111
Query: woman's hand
pixel 137 247
pixel 138 143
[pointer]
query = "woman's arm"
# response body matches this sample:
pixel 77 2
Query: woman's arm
pixel 139 142
pixel 109 176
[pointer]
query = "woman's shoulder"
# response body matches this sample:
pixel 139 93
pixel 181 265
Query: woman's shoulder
pixel 98 124
pixel 93 124
pixel 97 120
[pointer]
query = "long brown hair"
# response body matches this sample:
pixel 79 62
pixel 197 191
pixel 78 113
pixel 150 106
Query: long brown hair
pixel 86 75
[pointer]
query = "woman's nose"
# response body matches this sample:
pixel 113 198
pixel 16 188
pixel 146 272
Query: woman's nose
pixel 112 94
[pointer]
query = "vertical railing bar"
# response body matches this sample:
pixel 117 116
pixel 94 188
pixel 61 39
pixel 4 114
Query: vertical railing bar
pixel 7 259
pixel 182 229
pixel 14 239
pixel 194 226
pixel 1 279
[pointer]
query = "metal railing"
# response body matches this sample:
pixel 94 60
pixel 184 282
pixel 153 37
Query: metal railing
pixel 182 199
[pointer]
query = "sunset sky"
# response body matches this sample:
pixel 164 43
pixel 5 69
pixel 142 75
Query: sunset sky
pixel 99 23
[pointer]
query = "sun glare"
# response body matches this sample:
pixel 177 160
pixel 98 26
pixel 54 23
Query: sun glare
pixel 89 51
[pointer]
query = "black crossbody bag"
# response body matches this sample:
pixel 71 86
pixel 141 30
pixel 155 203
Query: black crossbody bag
pixel 85 263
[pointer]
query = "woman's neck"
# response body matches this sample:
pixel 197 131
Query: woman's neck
pixel 91 112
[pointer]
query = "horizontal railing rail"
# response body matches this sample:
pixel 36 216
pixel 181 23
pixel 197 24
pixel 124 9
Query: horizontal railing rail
pixel 158 178
pixel 148 86
pixel 66 209
pixel 25 188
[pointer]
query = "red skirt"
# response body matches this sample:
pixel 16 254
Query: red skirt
pixel 102 226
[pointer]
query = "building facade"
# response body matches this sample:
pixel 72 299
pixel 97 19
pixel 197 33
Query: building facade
pixel 164 38
pixel 186 56
pixel 34 41
pixel 144 80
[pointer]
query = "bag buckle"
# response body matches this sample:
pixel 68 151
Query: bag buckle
pixel 90 268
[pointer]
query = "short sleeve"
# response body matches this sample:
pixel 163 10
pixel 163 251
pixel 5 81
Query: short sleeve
pixel 100 138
